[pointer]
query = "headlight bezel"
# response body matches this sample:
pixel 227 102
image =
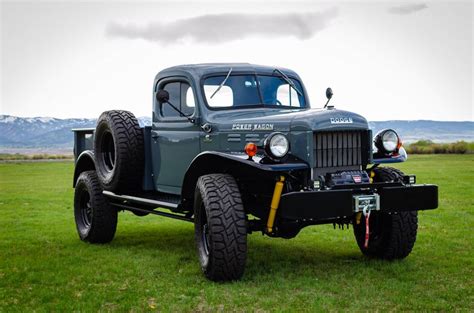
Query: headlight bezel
pixel 382 142
pixel 267 144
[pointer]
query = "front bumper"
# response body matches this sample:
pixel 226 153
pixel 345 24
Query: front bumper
pixel 339 203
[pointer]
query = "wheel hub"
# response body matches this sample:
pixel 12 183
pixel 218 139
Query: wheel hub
pixel 108 151
pixel 205 238
pixel 86 209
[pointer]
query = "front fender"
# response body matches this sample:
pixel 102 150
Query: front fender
pixel 402 156
pixel 85 162
pixel 237 165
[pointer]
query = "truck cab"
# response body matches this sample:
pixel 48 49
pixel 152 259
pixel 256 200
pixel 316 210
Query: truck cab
pixel 222 116
pixel 236 148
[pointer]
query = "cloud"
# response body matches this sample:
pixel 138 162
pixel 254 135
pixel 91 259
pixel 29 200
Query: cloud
pixel 407 8
pixel 219 28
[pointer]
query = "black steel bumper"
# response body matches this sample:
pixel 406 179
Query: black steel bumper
pixel 332 204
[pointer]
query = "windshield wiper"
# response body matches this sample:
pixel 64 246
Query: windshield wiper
pixel 288 80
pixel 223 82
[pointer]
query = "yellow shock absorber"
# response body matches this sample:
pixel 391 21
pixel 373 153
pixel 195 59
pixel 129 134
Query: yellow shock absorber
pixel 275 202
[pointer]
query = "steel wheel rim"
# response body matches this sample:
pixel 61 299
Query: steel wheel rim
pixel 376 230
pixel 205 233
pixel 86 209
pixel 108 151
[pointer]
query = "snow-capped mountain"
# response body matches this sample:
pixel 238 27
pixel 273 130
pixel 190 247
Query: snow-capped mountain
pixel 32 132
pixel 50 132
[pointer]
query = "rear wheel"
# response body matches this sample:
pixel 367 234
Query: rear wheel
pixel 96 220
pixel 392 236
pixel 220 227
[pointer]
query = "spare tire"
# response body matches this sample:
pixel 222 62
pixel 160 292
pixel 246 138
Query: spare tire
pixel 118 150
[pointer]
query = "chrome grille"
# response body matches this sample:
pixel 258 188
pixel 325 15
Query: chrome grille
pixel 340 148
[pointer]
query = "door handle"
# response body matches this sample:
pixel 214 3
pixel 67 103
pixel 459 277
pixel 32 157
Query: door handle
pixel 154 135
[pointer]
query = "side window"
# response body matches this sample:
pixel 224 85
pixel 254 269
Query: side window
pixel 181 96
pixel 174 91
pixel 287 96
pixel 190 97
pixel 187 99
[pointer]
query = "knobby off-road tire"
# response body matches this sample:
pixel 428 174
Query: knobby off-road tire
pixel 96 220
pixel 220 227
pixel 118 150
pixel 392 236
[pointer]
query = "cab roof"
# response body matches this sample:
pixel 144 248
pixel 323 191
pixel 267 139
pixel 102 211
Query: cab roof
pixel 199 70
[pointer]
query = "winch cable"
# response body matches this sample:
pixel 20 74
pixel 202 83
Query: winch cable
pixel 367 229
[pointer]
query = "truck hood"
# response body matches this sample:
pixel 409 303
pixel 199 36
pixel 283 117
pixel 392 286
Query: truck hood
pixel 266 119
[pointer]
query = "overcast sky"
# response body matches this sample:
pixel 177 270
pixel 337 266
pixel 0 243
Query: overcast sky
pixel 384 60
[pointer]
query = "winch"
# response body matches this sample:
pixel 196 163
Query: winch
pixel 347 177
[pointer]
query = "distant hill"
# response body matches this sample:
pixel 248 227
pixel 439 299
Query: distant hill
pixel 435 131
pixel 55 133
pixel 43 132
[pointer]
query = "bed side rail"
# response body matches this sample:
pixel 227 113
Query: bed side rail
pixel 83 140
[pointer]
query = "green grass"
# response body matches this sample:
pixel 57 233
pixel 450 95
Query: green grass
pixel 41 156
pixel 151 265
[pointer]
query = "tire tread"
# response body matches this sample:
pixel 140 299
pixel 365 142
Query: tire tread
pixel 400 228
pixel 129 142
pixel 227 225
pixel 104 220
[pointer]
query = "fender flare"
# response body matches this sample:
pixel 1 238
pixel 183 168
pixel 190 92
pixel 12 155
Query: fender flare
pixel 234 164
pixel 85 162
pixel 402 156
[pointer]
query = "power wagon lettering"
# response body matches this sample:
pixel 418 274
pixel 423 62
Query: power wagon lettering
pixel 252 126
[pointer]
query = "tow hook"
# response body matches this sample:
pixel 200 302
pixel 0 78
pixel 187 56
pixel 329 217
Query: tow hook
pixel 274 204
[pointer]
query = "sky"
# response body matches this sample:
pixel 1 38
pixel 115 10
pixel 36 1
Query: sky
pixel 385 60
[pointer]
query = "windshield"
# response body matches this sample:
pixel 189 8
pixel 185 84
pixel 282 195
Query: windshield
pixel 249 90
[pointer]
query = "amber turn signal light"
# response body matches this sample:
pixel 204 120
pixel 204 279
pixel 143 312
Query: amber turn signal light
pixel 251 149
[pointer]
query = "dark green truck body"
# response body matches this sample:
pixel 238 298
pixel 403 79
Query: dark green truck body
pixel 327 171
pixel 321 140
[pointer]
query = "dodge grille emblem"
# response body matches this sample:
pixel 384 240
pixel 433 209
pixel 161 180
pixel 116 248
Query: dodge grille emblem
pixel 341 120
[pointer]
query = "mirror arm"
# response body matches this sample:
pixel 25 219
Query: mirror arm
pixel 327 103
pixel 181 113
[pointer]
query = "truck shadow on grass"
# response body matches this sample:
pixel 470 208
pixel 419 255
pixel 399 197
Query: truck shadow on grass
pixel 308 254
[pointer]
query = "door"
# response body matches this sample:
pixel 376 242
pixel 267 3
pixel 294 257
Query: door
pixel 175 140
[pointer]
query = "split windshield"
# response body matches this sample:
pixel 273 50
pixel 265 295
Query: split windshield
pixel 249 90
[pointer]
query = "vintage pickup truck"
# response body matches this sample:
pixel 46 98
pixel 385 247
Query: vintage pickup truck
pixel 236 148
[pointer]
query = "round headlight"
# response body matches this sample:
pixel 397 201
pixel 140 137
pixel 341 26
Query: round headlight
pixel 387 141
pixel 276 145
pixel 390 141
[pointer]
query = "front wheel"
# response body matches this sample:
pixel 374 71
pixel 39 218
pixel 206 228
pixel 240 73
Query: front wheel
pixel 96 220
pixel 220 227
pixel 392 235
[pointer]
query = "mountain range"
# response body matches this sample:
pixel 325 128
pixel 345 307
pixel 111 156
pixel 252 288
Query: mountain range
pixel 55 133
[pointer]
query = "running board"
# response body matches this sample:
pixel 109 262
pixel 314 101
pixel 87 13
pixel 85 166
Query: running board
pixel 124 199
pixel 156 212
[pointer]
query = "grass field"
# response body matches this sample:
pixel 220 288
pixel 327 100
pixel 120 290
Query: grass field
pixel 152 266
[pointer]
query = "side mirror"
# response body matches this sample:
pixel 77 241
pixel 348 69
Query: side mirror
pixel 329 96
pixel 329 93
pixel 162 96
